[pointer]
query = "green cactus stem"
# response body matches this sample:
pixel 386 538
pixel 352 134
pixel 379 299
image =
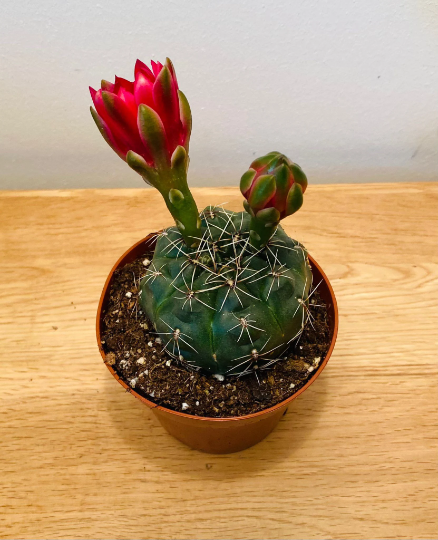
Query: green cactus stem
pixel 171 182
pixel 263 225
pixel 225 306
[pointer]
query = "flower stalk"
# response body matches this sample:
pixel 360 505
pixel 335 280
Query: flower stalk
pixel 171 182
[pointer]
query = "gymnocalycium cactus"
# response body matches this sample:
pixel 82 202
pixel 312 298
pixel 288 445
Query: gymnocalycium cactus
pixel 227 291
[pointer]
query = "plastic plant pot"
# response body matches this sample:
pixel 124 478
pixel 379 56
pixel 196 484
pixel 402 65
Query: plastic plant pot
pixel 219 435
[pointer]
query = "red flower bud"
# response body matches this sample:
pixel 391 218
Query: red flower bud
pixel 273 181
pixel 149 116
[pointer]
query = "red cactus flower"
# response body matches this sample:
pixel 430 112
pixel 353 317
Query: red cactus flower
pixel 273 186
pixel 149 116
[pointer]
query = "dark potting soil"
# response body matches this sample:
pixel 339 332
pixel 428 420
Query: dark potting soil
pixel 136 353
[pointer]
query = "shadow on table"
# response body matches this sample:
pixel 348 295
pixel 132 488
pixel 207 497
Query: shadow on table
pixel 144 435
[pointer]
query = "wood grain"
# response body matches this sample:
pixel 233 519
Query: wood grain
pixel 355 457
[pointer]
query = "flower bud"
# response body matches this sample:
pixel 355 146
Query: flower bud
pixel 149 116
pixel 273 181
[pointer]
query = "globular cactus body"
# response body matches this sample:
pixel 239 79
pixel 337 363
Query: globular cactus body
pixel 226 306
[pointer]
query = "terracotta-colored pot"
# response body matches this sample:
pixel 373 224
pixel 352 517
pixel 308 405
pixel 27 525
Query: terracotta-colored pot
pixel 219 435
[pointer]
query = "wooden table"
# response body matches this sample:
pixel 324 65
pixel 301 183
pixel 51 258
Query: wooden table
pixel 355 457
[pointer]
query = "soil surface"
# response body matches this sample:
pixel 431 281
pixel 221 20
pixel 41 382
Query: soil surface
pixel 136 353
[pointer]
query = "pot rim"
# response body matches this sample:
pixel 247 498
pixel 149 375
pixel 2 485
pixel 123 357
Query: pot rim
pixel 257 414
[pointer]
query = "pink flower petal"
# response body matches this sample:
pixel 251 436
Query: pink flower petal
pixel 92 92
pixel 140 67
pixel 114 111
pixel 117 145
pixel 123 83
pixel 143 90
pixel 156 67
pixel 128 98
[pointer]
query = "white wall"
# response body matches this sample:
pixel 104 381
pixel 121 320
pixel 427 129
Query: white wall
pixel 347 89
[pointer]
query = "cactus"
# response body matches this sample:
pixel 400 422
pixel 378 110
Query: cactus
pixel 221 307
pixel 226 291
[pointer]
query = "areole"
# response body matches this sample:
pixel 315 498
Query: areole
pixel 219 435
